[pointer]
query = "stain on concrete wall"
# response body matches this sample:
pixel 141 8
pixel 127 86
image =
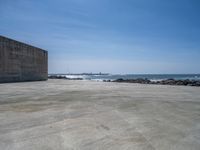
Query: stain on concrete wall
pixel 21 62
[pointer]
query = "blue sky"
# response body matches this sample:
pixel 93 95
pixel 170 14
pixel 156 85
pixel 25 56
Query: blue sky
pixel 115 36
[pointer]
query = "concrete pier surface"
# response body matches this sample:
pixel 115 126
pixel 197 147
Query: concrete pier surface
pixel 88 115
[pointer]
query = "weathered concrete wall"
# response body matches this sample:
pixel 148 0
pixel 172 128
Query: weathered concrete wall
pixel 21 62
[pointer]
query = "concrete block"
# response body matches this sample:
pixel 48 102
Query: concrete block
pixel 21 62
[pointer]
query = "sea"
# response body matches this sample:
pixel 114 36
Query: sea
pixel 152 77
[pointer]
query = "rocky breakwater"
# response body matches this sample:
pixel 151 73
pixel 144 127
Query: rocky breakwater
pixel 162 82
pixel 62 77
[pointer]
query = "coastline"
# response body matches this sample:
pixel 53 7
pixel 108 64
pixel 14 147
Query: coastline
pixel 171 81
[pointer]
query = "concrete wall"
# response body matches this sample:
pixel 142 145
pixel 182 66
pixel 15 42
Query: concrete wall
pixel 21 62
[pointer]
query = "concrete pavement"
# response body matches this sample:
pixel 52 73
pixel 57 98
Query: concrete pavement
pixel 88 115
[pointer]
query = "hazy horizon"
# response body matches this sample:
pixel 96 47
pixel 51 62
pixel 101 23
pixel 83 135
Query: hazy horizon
pixel 109 36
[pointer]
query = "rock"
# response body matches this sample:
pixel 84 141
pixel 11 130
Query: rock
pixel 106 80
pixel 186 82
pixel 63 77
pixel 119 80
pixel 57 77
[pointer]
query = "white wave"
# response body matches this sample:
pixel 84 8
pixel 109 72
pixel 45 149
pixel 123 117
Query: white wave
pixel 156 80
pixel 75 76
